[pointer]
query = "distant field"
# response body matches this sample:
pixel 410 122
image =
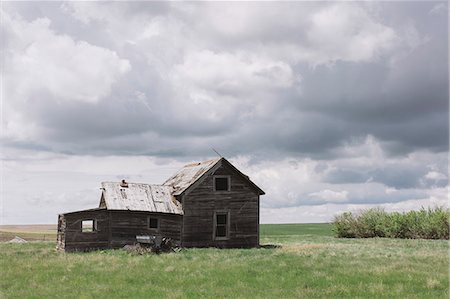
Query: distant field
pixel 35 232
pixel 308 262
pixel 316 229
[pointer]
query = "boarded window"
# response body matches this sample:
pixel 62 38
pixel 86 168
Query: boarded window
pixel 88 226
pixel 153 223
pixel 221 225
pixel 221 183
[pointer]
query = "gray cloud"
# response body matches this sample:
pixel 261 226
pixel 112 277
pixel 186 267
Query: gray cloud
pixel 267 81
pixel 399 98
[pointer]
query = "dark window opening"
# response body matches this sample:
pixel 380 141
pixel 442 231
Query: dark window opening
pixel 88 226
pixel 221 231
pixel 221 183
pixel 153 223
pixel 221 225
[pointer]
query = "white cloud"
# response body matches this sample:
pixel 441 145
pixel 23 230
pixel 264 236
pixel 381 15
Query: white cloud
pixel 348 32
pixel 222 88
pixel 317 33
pixel 240 72
pixel 439 8
pixel 88 12
pixel 330 195
pixel 434 175
pixel 40 61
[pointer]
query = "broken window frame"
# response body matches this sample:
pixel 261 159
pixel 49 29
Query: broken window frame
pixel 93 227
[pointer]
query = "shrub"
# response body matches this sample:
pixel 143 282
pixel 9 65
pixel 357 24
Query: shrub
pixel 345 225
pixel 371 223
pixel 431 223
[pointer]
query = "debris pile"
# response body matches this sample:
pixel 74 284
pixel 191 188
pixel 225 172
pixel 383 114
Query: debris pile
pixel 153 244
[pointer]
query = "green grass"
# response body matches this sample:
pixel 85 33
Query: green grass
pixel 310 263
pixel 271 230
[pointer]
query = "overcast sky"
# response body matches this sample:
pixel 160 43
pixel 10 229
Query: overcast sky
pixel 327 106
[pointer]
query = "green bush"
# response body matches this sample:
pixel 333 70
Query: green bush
pixel 345 225
pixel 431 223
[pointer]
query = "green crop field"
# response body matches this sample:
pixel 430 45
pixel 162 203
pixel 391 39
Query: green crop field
pixel 307 262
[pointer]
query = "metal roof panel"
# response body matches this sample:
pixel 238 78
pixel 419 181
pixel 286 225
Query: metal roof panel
pixel 190 173
pixel 140 197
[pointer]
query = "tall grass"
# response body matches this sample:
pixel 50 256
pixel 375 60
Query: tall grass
pixel 310 263
pixel 431 223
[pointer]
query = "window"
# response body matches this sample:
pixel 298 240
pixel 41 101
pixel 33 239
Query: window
pixel 221 225
pixel 222 183
pixel 88 226
pixel 153 223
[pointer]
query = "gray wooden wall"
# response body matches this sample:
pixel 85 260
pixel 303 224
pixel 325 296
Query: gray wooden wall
pixel 115 229
pixel 74 239
pixel 125 225
pixel 199 206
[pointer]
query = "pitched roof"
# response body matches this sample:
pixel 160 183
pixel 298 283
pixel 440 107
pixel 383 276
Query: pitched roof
pixel 140 197
pixel 160 198
pixel 191 173
pixel 188 175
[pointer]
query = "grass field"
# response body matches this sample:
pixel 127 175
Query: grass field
pixel 308 263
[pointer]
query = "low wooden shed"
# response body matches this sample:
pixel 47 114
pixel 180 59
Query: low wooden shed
pixel 205 204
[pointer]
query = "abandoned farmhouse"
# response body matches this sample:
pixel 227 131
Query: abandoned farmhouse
pixel 206 204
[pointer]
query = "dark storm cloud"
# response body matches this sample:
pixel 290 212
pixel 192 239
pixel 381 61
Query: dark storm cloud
pixel 390 176
pixel 407 103
pixel 396 98
pixel 267 80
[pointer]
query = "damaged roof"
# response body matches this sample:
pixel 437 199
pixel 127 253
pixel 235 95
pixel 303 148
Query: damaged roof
pixel 139 197
pixel 160 198
pixel 190 173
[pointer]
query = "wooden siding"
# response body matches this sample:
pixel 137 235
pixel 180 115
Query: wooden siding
pixel 125 225
pixel 242 202
pixel 73 239
pixel 114 229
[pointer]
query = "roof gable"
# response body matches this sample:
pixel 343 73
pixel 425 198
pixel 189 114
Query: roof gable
pixel 193 173
pixel 245 177
pixel 139 197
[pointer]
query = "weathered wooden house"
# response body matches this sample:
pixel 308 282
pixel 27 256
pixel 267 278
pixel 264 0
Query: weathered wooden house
pixel 207 204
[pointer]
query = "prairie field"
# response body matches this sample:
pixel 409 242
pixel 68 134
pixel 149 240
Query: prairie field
pixel 31 232
pixel 297 261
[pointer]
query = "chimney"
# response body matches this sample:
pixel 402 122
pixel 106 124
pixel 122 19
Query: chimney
pixel 124 184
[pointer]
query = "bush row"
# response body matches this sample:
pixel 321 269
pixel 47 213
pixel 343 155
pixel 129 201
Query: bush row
pixel 431 223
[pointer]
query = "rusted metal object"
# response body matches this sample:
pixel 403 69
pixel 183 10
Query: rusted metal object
pixel 157 244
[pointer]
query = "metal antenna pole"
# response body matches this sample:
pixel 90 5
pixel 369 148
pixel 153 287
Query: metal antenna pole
pixel 217 153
